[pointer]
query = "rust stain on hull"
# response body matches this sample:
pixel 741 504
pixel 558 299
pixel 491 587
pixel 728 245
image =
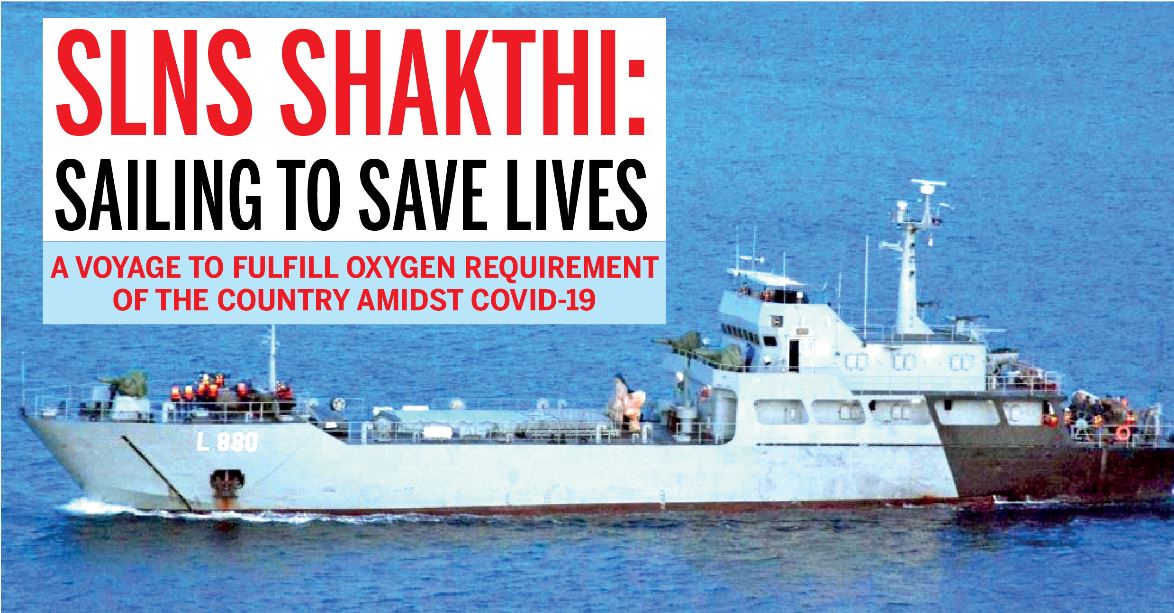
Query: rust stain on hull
pixel 977 503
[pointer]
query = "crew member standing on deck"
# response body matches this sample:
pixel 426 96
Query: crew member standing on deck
pixel 625 405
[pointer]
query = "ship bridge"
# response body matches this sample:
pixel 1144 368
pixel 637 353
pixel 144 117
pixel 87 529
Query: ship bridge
pixel 774 324
pixel 754 316
pixel 779 325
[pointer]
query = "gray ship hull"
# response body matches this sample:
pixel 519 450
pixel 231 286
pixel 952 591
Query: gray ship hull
pixel 298 467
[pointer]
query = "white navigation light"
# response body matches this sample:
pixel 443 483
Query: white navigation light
pixel 927 189
pixel 902 205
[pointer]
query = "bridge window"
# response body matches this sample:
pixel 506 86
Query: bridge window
pixel 746 335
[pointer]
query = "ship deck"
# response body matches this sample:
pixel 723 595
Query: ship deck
pixel 487 422
pixel 477 422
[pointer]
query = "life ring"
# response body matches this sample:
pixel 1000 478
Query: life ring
pixel 338 404
pixel 1051 421
pixel 1122 434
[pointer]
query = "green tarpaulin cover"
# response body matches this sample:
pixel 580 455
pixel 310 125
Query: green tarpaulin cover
pixel 133 384
pixel 689 344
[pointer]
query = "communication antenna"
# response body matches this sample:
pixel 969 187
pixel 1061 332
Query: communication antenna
pixel 867 248
pixel 737 248
pixel 1161 360
pixel 272 357
pixel 839 291
pixel 753 245
pixel 937 221
pixel 753 259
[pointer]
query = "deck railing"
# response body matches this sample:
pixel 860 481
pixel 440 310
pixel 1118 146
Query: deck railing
pixel 1155 434
pixel 1038 382
pixel 472 431
pixel 444 421
pixel 80 403
pixel 888 334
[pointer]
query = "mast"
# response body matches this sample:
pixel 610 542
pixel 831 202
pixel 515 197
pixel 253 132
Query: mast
pixel 908 320
pixel 272 357
pixel 839 291
pixel 867 247
pixel 753 259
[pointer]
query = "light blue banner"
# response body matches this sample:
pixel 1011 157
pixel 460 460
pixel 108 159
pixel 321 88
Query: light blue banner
pixel 357 283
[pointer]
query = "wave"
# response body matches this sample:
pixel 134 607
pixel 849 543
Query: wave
pixel 1057 503
pixel 86 507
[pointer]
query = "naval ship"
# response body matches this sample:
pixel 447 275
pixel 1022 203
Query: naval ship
pixel 791 405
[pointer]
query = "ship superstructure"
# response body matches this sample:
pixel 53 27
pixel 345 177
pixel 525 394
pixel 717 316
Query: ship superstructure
pixel 793 405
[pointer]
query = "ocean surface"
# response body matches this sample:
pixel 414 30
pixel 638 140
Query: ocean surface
pixel 1054 125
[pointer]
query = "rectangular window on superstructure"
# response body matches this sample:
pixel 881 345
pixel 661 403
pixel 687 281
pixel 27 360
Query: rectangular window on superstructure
pixel 780 412
pixel 838 412
pixel 770 341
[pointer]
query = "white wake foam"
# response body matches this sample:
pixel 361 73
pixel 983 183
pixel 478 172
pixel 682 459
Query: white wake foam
pixel 86 507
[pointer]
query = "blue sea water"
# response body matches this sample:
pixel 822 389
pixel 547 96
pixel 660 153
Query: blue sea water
pixel 1054 125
